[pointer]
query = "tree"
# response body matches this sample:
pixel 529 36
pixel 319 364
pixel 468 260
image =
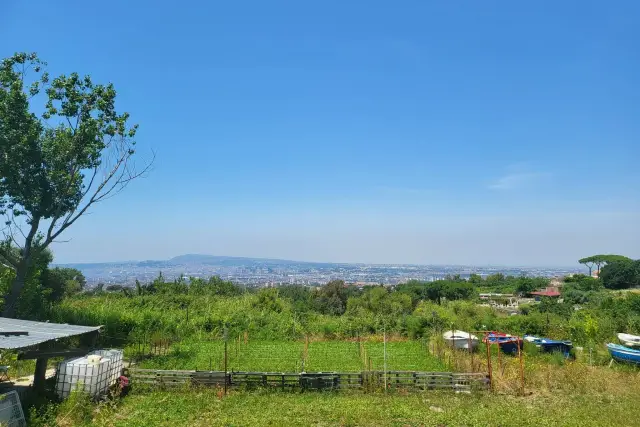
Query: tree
pixel 587 262
pixel 525 285
pixel 435 291
pixel 621 274
pixel 36 297
pixel 601 260
pixel 56 165
pixel 331 298
pixel 63 282
pixel 457 290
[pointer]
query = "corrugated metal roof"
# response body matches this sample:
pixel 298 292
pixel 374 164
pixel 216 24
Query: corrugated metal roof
pixel 39 332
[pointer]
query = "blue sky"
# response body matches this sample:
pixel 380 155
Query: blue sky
pixel 365 131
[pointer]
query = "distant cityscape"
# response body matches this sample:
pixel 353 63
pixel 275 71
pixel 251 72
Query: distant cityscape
pixel 259 272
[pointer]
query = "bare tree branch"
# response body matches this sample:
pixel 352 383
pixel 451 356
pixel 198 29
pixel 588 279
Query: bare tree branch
pixel 102 192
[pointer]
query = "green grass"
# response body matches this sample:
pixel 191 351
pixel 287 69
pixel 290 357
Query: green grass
pixel 288 356
pixel 206 408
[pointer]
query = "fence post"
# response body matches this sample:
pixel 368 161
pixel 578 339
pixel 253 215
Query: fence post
pixel 384 340
pixel 226 335
pixel 470 348
pixel 489 363
pixel 521 366
pixel 453 349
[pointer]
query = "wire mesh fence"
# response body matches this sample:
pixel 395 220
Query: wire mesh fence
pixel 306 355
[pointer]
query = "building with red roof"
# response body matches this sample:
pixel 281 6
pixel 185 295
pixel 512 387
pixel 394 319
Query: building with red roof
pixel 547 292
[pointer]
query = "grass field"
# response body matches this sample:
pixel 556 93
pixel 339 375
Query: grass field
pixel 557 392
pixel 206 408
pixel 288 356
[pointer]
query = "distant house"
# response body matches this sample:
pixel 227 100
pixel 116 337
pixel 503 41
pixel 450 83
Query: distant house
pixel 547 292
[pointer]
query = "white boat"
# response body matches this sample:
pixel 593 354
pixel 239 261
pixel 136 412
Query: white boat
pixel 629 340
pixel 460 339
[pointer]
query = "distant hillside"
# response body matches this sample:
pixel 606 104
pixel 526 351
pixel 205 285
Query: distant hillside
pixel 200 259
pixel 226 260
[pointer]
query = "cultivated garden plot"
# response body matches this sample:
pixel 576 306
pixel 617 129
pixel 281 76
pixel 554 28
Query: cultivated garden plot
pixel 297 356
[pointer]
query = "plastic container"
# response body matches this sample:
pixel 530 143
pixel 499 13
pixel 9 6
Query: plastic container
pixel 94 359
pixel 92 374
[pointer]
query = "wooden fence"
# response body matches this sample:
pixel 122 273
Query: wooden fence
pixel 366 380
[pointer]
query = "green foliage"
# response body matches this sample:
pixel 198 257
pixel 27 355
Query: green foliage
pixel 581 289
pixel 331 298
pixel 525 285
pixel 621 274
pixel 380 301
pixel 451 289
pixel 49 163
pixel 600 260
pixel 206 408
pixel 299 296
pixel 43 286
pixel 267 301
pixel 201 308
pixel 63 282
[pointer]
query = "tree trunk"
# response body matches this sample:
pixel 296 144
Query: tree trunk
pixel 16 288
pixel 22 269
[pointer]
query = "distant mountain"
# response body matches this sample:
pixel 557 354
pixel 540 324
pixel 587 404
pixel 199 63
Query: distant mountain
pixel 200 259
pixel 230 261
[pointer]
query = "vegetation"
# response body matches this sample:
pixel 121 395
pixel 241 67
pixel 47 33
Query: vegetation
pixel 621 274
pixel 202 310
pixel 601 260
pixel 340 327
pixel 209 408
pixel 44 286
pixel 57 164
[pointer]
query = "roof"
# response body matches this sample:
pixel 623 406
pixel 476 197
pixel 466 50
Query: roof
pixel 547 293
pixel 37 332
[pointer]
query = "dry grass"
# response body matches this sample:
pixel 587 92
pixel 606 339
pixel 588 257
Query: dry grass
pixel 543 374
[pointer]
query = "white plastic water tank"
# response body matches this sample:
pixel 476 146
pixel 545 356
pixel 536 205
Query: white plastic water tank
pixel 93 359
pixel 92 374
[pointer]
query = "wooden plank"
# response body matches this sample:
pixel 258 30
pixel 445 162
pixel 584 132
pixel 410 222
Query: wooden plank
pixel 409 380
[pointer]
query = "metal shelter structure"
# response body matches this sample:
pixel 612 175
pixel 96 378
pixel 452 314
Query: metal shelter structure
pixel 36 340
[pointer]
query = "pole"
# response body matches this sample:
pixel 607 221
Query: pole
pixel 453 347
pixel 500 359
pixel 470 348
pixel 489 364
pixel 521 367
pixel 384 338
pixel 40 374
pixel 226 334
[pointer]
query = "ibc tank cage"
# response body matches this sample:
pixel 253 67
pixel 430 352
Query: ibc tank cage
pixel 92 374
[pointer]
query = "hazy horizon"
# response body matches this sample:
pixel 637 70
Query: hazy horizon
pixel 576 266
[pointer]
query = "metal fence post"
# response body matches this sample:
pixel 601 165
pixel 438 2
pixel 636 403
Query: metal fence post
pixel 384 346
pixel 226 335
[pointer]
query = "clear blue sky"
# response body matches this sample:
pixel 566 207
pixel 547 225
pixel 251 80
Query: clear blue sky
pixel 368 131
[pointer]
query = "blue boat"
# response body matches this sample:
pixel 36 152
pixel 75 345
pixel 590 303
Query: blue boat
pixel 507 343
pixel 624 354
pixel 548 345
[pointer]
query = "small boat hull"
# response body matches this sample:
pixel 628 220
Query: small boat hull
pixel 507 343
pixel 461 340
pixel 549 346
pixel 624 354
pixel 629 340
